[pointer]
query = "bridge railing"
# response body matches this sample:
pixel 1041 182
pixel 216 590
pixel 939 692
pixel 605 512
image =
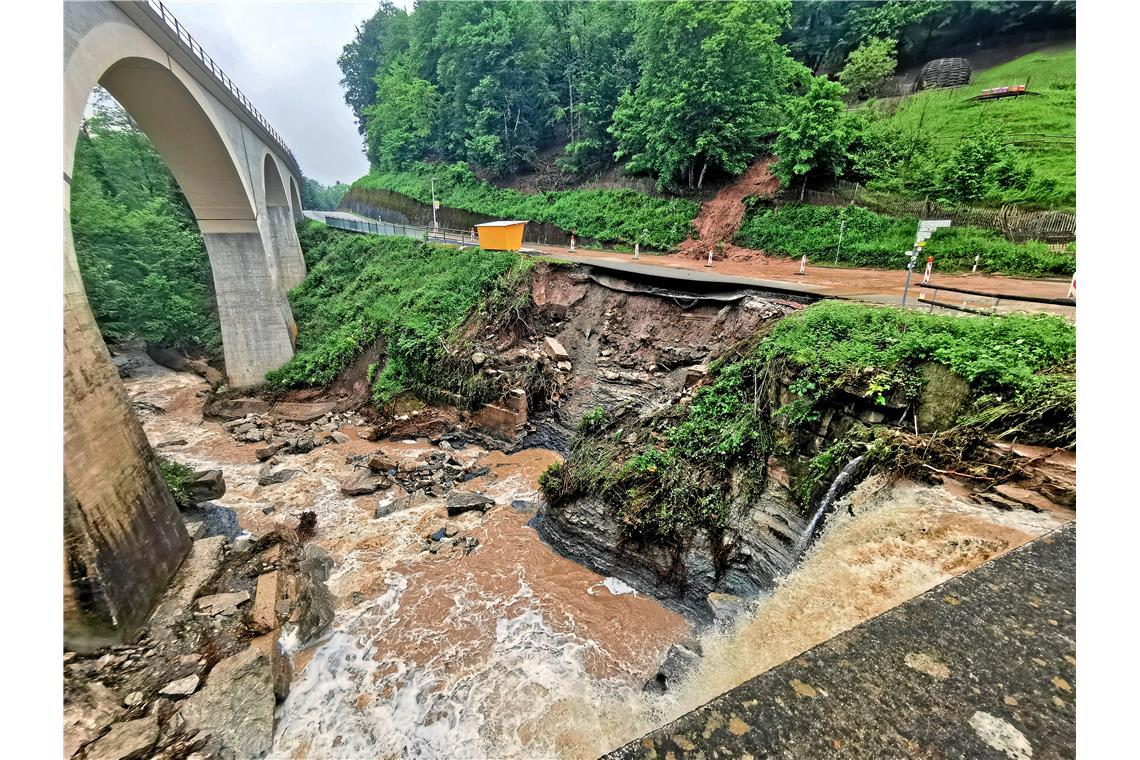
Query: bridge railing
pixel 434 234
pixel 195 48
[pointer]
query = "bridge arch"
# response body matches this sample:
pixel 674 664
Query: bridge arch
pixel 123 535
pixel 295 197
pixel 288 261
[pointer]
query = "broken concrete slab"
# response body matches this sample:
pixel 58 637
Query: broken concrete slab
pixel 235 408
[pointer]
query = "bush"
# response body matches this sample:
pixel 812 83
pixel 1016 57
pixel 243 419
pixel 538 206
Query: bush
pixel 362 288
pixel 877 240
pixel 177 477
pixel 609 216
pixel 868 65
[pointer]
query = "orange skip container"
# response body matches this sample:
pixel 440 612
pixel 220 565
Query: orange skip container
pixel 500 236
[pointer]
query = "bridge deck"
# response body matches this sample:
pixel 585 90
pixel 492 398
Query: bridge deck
pixel 981 666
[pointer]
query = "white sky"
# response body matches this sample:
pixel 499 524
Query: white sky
pixel 283 57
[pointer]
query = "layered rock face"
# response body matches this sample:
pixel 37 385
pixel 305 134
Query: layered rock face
pixel 757 546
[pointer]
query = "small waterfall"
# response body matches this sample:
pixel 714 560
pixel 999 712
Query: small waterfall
pixel 839 486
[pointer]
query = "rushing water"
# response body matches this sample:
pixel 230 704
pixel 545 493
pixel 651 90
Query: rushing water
pixel 514 651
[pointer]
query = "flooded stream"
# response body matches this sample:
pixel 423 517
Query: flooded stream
pixel 511 650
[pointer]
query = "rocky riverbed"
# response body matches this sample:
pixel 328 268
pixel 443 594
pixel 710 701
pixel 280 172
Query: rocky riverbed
pixel 460 633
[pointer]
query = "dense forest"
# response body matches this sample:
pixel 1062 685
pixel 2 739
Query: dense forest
pixel 682 90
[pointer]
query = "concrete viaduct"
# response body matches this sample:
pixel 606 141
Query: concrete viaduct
pixel 123 535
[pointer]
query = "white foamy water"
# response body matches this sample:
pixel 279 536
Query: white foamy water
pixel 615 586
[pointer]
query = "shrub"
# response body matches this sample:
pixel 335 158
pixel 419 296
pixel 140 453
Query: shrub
pixel 177 477
pixel 609 216
pixel 877 240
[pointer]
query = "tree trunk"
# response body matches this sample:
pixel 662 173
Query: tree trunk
pixel 701 179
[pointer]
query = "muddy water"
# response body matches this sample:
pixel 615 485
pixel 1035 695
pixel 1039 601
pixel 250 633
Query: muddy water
pixel 513 651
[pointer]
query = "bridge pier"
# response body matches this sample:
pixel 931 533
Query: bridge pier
pixel 255 317
pixel 286 247
pixel 123 534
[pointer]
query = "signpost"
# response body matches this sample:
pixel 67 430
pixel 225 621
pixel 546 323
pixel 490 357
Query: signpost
pixel 434 205
pixel 926 228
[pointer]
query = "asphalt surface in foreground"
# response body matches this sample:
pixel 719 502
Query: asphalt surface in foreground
pixel 981 666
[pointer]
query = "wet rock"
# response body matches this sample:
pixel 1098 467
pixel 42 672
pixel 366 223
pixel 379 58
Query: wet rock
pixel 171 444
pixel 267 510
pixel 725 607
pixel 314 610
pixel 206 485
pixel 183 687
pixel 524 506
pixel 364 482
pixel 472 474
pixel 134 699
pixel 267 452
pixel 263 612
pixel 459 502
pixel 235 408
pixel 237 703
pixel 413 499
pixel 130 740
pixel 679 660
pixel 555 350
pixel 267 477
pixel 478 358
pixel 195 529
pixel 196 570
pixel 339 437
pixel 222 604
pixel 86 713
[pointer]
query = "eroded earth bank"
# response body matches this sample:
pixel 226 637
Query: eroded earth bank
pixel 415 579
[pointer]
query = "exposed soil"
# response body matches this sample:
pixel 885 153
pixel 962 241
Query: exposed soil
pixel 721 217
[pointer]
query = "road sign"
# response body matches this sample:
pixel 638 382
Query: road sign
pixel 932 224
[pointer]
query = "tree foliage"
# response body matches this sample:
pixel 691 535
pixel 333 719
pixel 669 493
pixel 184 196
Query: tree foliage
pixel 868 65
pixel 711 83
pixel 318 197
pixel 816 134
pixel 140 254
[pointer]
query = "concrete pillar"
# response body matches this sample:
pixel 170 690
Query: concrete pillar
pixel 256 323
pixel 123 535
pixel 286 247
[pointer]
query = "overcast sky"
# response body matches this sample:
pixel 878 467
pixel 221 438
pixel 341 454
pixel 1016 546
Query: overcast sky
pixel 283 57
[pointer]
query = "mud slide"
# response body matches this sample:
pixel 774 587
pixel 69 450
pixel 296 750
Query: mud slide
pixel 721 217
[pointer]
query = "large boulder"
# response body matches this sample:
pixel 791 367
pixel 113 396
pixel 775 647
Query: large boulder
pixel 459 502
pixel 86 713
pixel 302 412
pixel 130 740
pixel 314 612
pixel 679 660
pixel 235 408
pixel 236 705
pixel 364 482
pixel 206 485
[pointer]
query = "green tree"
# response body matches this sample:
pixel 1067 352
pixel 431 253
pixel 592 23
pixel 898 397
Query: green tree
pixel 379 39
pixel 401 122
pixel 711 83
pixel 867 66
pixel 816 134
pixel 318 197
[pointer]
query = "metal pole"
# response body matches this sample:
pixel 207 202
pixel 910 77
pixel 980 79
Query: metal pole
pixel 842 222
pixel 909 269
pixel 434 222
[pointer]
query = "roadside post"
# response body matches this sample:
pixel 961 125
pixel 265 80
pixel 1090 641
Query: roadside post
pixel 842 223
pixel 637 250
pixel 929 266
pixel 709 262
pixel 434 205
pixel 977 258
pixel 1072 287
pixel 573 243
pixel 926 228
pixel 803 265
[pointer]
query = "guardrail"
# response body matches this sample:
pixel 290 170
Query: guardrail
pixel 434 235
pixel 998 298
pixel 191 45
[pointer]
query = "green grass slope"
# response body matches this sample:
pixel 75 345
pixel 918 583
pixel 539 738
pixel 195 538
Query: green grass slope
pixel 364 287
pixel 1037 124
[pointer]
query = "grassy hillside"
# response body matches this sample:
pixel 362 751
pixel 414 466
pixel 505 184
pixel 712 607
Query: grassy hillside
pixel 609 216
pixel 1035 125
pixel 876 240
pixel 364 287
